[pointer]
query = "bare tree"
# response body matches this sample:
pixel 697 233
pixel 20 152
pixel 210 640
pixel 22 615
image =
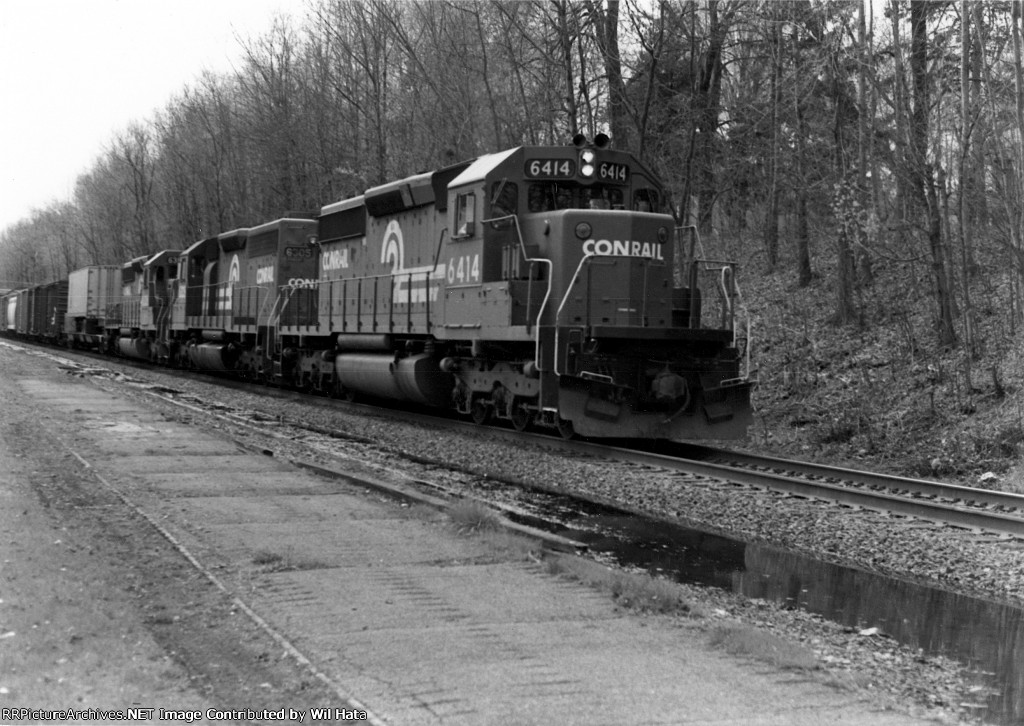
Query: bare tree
pixel 922 171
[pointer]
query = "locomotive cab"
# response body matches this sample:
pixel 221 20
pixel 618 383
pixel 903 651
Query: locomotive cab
pixel 159 275
pixel 568 248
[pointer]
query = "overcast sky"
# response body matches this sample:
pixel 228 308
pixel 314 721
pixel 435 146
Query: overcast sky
pixel 75 72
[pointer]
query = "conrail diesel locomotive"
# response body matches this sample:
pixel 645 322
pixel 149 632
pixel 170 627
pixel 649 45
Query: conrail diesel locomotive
pixel 542 286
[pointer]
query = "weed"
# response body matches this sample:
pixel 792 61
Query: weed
pixel 470 517
pixel 638 592
pixel 275 562
pixel 510 546
pixel 764 646
pixel 634 591
pixel 264 558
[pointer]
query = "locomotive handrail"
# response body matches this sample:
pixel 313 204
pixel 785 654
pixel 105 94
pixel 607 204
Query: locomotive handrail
pixel 272 325
pixel 709 265
pixel 547 292
pixel 565 298
pixel 750 328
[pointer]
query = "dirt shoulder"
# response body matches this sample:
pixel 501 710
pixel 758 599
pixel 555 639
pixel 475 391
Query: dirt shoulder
pixel 98 611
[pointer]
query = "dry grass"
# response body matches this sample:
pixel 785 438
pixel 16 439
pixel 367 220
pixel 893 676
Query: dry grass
pixel 762 645
pixel 268 561
pixel 638 592
pixel 471 517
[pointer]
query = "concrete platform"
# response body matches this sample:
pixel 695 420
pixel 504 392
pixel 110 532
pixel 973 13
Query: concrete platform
pixel 408 618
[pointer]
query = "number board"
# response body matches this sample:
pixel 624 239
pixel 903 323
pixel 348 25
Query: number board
pixel 607 171
pixel 550 168
pixel 298 253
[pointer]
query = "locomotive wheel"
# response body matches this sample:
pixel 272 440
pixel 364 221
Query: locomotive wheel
pixel 480 412
pixel 565 429
pixel 522 417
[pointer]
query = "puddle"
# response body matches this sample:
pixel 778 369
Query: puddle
pixel 987 636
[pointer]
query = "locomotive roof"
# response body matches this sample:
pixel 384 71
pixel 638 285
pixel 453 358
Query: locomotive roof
pixel 343 205
pixel 159 256
pixel 481 167
pixel 240 232
pixel 198 245
pixel 275 224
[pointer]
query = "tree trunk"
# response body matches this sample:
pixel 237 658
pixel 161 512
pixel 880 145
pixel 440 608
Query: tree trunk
pixel 707 103
pixel 771 223
pixel 977 206
pixel 608 27
pixel 965 176
pixel 845 311
pixel 1017 219
pixel 901 112
pixel 863 254
pixel 803 250
pixel 921 170
pixel 565 44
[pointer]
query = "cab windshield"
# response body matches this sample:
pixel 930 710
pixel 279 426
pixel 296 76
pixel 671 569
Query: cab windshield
pixel 550 196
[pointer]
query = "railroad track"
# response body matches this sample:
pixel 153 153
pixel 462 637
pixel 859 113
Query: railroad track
pixel 941 502
pixel 938 502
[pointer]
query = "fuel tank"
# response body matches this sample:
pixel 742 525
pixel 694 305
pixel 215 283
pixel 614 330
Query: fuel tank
pixel 134 348
pixel 416 378
pixel 215 356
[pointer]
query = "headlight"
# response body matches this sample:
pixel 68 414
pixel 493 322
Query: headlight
pixel 583 230
pixel 587 170
pixel 587 156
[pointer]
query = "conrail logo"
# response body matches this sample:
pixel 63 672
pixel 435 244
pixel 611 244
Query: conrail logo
pixel 623 248
pixel 226 293
pixel 409 285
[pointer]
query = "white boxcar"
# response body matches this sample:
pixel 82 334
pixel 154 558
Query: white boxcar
pixel 11 313
pixel 94 303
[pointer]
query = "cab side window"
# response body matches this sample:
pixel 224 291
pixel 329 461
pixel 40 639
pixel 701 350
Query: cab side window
pixel 504 198
pixel 465 215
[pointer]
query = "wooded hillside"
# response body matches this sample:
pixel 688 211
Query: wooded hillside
pixel 864 162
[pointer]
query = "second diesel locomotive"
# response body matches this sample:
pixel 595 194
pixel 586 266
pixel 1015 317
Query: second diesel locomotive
pixel 540 285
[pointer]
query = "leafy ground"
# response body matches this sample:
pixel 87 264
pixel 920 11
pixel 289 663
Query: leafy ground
pixel 881 394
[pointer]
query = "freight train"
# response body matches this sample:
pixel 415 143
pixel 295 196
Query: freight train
pixel 542 286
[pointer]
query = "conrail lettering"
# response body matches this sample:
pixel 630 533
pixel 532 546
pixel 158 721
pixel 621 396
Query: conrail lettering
pixel 299 282
pixel 265 275
pixel 623 248
pixel 335 259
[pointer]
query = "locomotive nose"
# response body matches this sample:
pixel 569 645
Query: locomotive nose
pixel 610 233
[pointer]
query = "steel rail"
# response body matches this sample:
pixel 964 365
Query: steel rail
pixel 972 518
pixel 926 487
